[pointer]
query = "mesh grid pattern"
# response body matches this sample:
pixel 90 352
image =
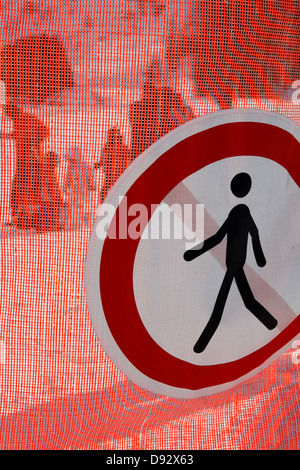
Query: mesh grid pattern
pixel 104 80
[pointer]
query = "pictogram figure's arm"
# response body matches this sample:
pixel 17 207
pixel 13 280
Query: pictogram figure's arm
pixel 212 241
pixel 257 248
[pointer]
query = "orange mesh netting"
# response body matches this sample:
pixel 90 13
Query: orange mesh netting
pixel 86 87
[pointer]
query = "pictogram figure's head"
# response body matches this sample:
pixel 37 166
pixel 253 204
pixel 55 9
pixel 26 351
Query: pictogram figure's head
pixel 241 184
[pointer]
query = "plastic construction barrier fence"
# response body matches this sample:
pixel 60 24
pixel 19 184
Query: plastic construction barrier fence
pixel 86 87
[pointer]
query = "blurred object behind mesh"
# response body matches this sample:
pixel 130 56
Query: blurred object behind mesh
pixel 28 134
pixel 240 49
pixel 34 68
pixel 115 157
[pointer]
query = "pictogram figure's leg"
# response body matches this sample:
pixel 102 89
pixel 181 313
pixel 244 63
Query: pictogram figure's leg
pixel 216 315
pixel 252 304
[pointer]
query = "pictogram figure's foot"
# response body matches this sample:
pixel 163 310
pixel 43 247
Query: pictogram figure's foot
pixel 199 346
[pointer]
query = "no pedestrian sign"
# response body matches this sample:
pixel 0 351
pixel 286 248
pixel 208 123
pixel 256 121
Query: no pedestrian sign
pixel 192 270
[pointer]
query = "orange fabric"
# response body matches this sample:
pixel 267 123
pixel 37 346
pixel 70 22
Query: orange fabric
pixel 76 69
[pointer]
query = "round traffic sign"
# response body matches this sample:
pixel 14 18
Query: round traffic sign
pixel 192 266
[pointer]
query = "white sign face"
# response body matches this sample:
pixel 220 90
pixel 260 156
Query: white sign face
pixel 194 259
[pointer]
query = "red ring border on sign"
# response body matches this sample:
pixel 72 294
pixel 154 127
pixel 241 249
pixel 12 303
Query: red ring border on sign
pixel 118 255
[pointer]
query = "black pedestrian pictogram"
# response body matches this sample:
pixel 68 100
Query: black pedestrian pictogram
pixel 237 227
